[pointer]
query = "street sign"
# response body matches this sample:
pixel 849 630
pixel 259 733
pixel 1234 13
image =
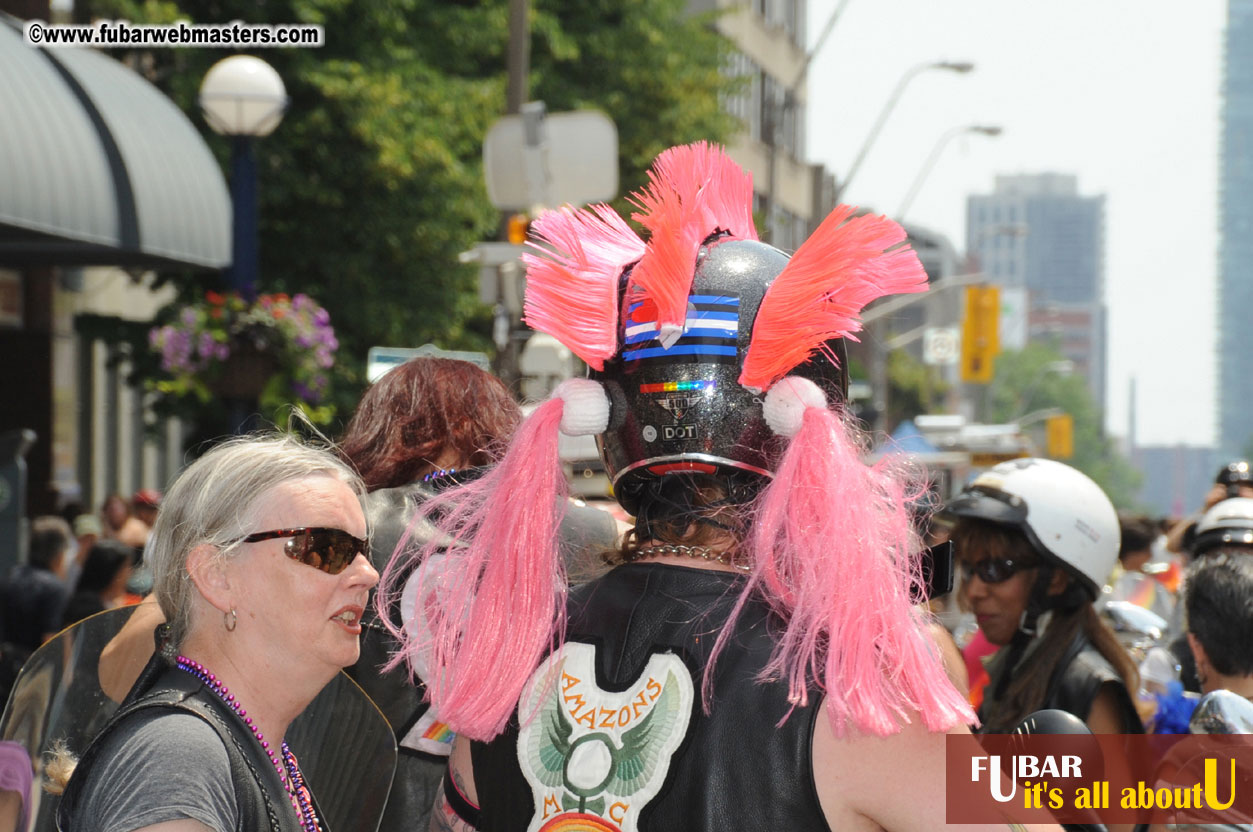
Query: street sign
pixel 941 345
pixel 568 157
pixel 381 359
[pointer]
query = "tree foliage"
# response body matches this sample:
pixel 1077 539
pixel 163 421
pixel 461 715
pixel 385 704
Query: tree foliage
pixel 1034 379
pixel 373 183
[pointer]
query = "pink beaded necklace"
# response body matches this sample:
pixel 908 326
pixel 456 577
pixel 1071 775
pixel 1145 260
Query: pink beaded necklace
pixel 288 769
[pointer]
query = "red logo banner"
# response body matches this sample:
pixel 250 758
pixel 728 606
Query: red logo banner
pixel 1113 778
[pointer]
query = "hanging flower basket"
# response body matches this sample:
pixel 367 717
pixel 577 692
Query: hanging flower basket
pixel 245 372
pixel 276 349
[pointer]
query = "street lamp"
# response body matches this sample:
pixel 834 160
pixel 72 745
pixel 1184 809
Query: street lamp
pixel 961 67
pixel 244 98
pixel 941 143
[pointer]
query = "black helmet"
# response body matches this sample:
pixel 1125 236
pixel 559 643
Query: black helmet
pixel 682 409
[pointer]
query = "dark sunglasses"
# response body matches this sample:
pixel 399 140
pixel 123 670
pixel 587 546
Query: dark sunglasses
pixel 994 570
pixel 330 550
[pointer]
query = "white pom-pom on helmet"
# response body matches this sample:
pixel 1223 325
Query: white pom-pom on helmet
pixel 1062 512
pixel 1227 523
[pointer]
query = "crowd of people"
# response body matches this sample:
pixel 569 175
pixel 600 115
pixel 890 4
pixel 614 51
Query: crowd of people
pixel 756 650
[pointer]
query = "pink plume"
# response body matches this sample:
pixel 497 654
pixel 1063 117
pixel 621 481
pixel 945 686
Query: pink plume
pixel 572 292
pixel 821 292
pixel 499 605
pixel 693 191
pixel 834 554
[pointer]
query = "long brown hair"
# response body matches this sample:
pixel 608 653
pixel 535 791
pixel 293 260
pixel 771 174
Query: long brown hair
pixel 1031 678
pixel 422 409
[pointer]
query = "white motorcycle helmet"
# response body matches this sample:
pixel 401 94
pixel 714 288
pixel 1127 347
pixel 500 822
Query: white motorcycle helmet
pixel 1062 512
pixel 1227 523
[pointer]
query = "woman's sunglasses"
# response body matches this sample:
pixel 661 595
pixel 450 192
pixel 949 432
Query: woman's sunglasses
pixel 994 570
pixel 330 550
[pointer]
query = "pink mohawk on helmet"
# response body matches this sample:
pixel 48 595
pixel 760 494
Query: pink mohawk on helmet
pixel 572 291
pixel 693 191
pixel 845 265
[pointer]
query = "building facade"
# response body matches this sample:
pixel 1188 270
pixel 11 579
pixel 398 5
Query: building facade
pixel 1035 235
pixel 770 38
pixel 1235 217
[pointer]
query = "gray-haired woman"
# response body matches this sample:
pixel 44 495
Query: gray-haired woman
pixel 258 560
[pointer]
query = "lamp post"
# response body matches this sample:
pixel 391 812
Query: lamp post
pixel 961 67
pixel 936 150
pixel 244 98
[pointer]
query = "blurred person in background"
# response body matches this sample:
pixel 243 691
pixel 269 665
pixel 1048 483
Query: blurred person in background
pixel 260 559
pixel 1218 598
pixel 1235 479
pixel 102 583
pixel 33 596
pixel 120 523
pixel 1036 541
pixel 1226 530
pixel 425 426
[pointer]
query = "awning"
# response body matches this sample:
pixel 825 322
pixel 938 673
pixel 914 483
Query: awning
pixel 98 167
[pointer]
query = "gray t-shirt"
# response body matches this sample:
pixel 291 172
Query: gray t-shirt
pixel 158 766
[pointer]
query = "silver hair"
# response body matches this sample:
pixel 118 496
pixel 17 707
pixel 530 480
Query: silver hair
pixel 214 501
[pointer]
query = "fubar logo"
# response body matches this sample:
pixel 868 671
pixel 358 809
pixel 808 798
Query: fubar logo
pixel 593 758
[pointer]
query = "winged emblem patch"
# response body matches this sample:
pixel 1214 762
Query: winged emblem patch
pixel 593 758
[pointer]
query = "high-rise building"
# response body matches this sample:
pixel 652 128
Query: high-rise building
pixel 1235 218
pixel 1035 234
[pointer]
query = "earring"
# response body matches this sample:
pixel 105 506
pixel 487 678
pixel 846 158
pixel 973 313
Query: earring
pixel 230 619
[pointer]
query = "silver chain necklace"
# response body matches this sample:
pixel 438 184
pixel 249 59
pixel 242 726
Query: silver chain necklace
pixel 699 552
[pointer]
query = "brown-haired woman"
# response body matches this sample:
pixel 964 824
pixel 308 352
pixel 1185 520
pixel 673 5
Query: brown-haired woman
pixel 1036 540
pixel 424 426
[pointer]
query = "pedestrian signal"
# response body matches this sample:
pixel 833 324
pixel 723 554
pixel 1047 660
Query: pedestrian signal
pixel 518 228
pixel 980 333
pixel 1059 432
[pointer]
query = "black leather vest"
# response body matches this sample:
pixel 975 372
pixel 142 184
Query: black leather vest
pixel 733 768
pixel 1082 672
pixel 260 796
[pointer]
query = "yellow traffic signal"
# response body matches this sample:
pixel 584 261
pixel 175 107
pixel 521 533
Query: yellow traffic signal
pixel 981 339
pixel 1059 432
pixel 519 226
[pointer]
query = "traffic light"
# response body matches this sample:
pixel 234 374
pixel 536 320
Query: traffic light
pixel 1059 433
pixel 519 226
pixel 980 333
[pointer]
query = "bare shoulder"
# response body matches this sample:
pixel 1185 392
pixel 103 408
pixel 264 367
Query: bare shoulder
pixel 860 778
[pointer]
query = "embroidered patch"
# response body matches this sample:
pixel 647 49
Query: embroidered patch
pixel 594 759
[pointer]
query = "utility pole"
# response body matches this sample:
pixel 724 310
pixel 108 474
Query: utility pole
pixel 518 65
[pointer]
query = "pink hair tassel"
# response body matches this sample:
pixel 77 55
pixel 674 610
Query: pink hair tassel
pixel 838 572
pixel 498 604
pixel 818 296
pixel 572 288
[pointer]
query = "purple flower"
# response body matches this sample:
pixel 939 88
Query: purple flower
pixel 188 317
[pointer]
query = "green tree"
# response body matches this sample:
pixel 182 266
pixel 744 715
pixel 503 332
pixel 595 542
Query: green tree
pixel 373 183
pixel 1030 380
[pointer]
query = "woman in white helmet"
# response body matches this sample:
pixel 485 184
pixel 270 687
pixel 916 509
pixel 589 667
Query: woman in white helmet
pixel 1036 540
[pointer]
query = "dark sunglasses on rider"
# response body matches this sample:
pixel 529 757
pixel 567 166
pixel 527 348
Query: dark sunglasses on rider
pixel 330 550
pixel 994 570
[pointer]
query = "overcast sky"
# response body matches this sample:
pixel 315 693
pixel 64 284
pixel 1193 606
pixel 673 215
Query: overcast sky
pixel 1122 93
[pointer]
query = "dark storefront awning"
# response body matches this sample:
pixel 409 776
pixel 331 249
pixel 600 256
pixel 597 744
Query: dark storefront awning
pixel 98 167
